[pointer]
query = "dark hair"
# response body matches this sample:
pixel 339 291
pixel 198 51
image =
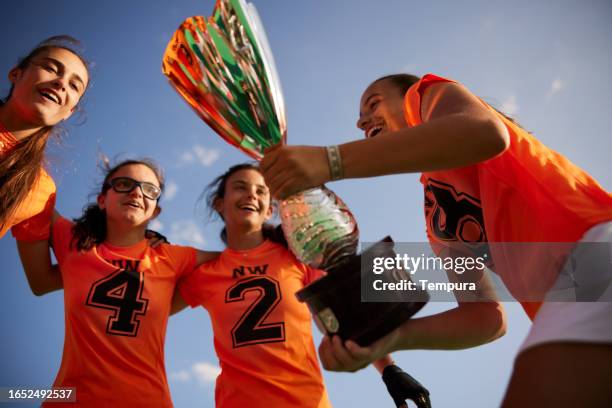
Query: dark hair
pixel 20 168
pixel 216 190
pixel 404 81
pixel 401 81
pixel 89 229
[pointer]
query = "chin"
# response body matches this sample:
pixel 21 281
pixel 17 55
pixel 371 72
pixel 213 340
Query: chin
pixel 133 221
pixel 45 116
pixel 251 224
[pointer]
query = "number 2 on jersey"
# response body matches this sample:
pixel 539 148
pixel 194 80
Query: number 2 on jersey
pixel 121 292
pixel 250 328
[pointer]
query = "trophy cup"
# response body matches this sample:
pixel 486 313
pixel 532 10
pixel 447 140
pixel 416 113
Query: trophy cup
pixel 223 67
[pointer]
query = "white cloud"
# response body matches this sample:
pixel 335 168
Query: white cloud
pixel 186 232
pixel 171 190
pixel 187 158
pixel 556 86
pixel 156 225
pixel 509 106
pixel 200 154
pixel 205 372
pixel 205 156
pixel 182 376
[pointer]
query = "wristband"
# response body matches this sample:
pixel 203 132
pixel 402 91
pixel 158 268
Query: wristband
pixel 335 162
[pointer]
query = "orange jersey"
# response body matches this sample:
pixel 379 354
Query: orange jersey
pixel 117 301
pixel 262 333
pixel 32 218
pixel 529 193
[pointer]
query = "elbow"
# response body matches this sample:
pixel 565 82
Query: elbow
pixel 494 321
pixel 38 291
pixel 41 288
pixel 487 321
pixel 497 137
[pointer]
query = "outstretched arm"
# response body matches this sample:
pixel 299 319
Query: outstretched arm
pixel 43 277
pixel 468 325
pixel 205 256
pixel 178 303
pixel 457 130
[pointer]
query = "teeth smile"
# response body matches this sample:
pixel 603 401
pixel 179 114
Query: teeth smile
pixel 51 96
pixel 373 131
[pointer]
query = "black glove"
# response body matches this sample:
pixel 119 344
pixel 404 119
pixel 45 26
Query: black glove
pixel 402 386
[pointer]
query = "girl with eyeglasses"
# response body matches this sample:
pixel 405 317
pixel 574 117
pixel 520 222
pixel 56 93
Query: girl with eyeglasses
pixel 486 180
pixel 118 292
pixel 46 87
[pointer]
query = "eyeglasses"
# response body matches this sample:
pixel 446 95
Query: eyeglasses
pixel 126 185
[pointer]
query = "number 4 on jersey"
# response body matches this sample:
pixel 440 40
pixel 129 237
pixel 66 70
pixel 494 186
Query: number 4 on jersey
pixel 121 292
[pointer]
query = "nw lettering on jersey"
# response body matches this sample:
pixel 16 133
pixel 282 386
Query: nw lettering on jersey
pixel 252 270
pixel 125 264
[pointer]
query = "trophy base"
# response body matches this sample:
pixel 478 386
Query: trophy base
pixel 335 300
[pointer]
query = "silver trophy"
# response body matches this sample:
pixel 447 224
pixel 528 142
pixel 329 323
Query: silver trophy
pixel 223 67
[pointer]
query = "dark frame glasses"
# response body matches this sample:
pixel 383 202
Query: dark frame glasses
pixel 127 185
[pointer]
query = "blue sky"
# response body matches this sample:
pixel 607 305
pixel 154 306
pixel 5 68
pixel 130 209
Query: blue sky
pixel 547 63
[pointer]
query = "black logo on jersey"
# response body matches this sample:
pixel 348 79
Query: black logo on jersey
pixel 121 293
pixel 454 216
pixel 251 270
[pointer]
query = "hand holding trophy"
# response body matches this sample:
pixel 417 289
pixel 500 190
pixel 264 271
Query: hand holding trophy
pixel 223 67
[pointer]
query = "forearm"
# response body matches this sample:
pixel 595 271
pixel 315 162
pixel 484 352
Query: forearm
pixel 468 325
pixel 380 364
pixel 205 256
pixel 43 277
pixel 449 142
pixel 178 303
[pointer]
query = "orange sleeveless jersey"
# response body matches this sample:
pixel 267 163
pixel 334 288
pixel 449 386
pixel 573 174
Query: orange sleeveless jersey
pixel 262 333
pixel 529 193
pixel 32 219
pixel 117 302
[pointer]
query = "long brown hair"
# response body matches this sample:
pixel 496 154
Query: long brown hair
pixel 216 190
pixel 89 229
pixel 19 170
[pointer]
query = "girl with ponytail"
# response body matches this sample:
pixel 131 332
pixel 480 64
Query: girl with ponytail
pixel 46 87
pixel 262 333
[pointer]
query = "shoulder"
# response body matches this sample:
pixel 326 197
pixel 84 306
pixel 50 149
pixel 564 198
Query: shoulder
pixel 443 97
pixel 417 100
pixel 45 182
pixel 208 265
pixel 61 223
pixel 280 250
pixel 429 80
pixel 176 252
